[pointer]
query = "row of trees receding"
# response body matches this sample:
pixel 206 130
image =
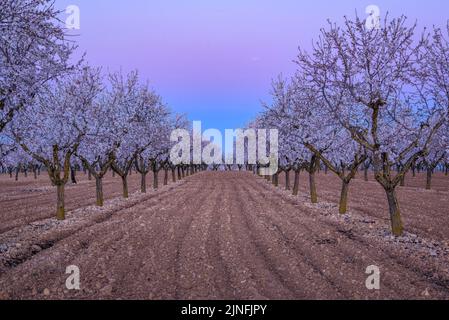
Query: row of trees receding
pixel 59 115
pixel 365 98
pixel 361 99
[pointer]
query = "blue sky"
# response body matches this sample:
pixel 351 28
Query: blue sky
pixel 214 60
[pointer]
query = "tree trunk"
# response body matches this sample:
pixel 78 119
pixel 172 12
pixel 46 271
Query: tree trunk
pixel 60 211
pixel 344 197
pixel 366 174
pixel 429 179
pixel 89 175
pixel 35 173
pixel 179 173
pixel 125 187
pixel 143 182
pixel 99 191
pixel 312 186
pixel 73 175
pixel 155 180
pixel 402 183
pixel 173 174
pixel 165 176
pixel 296 183
pixel 17 174
pixel 287 179
pixel 395 213
pixel 276 179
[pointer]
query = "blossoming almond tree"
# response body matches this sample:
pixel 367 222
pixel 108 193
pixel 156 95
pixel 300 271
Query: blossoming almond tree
pixel 304 121
pixel 97 149
pixel 438 151
pixel 33 50
pixel 282 114
pixel 434 94
pixel 325 138
pixel 15 161
pixel 368 79
pixel 52 128
pixel 141 117
pixel 153 144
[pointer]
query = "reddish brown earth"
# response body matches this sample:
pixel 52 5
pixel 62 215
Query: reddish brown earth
pixel 222 235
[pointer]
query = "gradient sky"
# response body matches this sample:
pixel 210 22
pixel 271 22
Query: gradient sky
pixel 214 60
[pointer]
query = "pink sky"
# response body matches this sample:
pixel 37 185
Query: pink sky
pixel 215 59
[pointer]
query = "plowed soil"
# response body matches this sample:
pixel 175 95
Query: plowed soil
pixel 222 235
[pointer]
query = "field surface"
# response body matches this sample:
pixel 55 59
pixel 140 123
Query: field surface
pixel 222 235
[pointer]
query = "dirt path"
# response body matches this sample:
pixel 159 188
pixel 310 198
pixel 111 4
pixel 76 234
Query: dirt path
pixel 36 198
pixel 424 212
pixel 226 235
